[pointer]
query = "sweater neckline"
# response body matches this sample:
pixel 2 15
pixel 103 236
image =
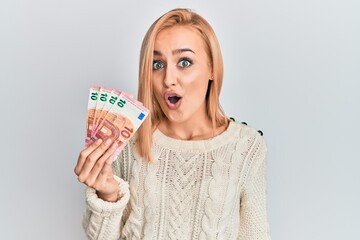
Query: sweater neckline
pixel 223 138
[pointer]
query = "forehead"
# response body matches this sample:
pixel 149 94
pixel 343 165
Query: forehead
pixel 179 37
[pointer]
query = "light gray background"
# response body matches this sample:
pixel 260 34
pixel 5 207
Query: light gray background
pixel 291 70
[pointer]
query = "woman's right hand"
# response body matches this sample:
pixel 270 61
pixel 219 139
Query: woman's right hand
pixel 94 169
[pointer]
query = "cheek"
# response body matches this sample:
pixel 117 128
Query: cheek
pixel 156 89
pixel 157 79
pixel 193 78
pixel 197 82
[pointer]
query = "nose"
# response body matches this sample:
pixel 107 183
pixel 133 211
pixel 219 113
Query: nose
pixel 170 77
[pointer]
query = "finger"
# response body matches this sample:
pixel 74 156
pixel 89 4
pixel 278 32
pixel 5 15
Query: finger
pixel 99 165
pixel 105 173
pixel 84 154
pixel 92 159
pixel 107 168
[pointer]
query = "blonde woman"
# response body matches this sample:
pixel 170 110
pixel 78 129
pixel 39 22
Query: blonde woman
pixel 190 172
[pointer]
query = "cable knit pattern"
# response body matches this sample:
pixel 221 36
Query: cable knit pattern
pixel 203 189
pixel 102 218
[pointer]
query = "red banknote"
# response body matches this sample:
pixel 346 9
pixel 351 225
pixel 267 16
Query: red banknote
pixel 113 114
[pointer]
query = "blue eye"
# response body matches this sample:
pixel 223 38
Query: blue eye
pixel 184 63
pixel 157 65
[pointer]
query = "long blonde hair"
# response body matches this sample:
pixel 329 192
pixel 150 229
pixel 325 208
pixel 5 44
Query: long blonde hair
pixel 176 17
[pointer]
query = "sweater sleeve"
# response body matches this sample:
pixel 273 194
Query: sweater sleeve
pixel 102 220
pixel 253 212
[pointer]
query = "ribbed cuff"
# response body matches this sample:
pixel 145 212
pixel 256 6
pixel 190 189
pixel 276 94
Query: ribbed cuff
pixel 104 208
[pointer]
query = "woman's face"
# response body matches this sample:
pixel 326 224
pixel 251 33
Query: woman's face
pixel 181 73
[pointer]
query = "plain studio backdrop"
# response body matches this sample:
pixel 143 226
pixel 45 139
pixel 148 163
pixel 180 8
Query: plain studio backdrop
pixel 291 70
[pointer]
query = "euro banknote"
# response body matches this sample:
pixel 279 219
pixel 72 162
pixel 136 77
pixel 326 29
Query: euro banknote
pixel 113 114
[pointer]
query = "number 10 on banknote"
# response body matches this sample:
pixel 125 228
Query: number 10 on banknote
pixel 113 114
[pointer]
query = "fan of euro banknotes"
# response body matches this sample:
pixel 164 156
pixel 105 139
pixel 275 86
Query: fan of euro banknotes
pixel 113 114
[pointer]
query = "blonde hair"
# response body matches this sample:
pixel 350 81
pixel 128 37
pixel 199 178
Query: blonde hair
pixel 176 17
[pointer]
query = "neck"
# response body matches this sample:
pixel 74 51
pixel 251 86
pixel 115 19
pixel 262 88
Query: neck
pixel 190 130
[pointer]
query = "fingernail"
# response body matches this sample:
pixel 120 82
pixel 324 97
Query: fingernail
pixel 108 141
pixel 98 141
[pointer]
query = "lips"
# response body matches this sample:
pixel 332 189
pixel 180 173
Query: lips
pixel 173 100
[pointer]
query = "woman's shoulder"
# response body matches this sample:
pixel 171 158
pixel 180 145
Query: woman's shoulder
pixel 251 146
pixel 251 137
pixel 245 129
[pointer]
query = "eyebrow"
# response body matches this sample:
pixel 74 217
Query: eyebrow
pixel 176 51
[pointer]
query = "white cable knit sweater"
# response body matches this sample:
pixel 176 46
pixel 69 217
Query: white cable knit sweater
pixel 203 189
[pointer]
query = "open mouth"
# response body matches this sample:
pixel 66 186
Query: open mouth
pixel 174 99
